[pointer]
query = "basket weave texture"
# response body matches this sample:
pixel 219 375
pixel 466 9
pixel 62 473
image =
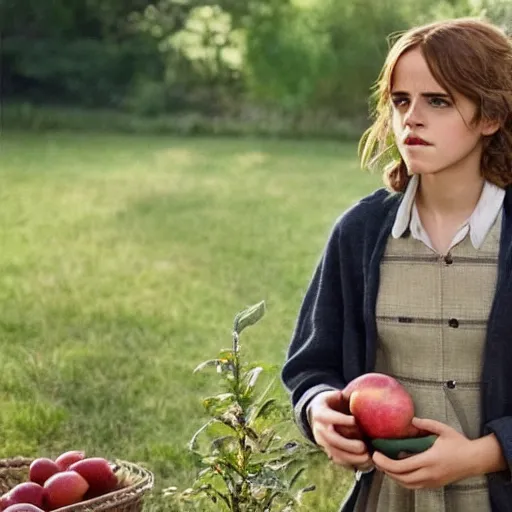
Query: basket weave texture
pixel 134 482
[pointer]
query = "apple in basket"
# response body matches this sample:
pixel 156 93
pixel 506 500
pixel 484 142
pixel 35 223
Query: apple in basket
pixel 65 488
pixel 98 473
pixel 64 460
pixel 69 479
pixel 41 469
pixel 26 492
pixel 23 507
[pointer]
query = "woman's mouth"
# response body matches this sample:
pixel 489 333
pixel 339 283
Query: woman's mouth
pixel 415 141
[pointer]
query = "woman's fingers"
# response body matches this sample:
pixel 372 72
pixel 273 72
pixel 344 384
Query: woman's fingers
pixel 337 433
pixel 329 416
pixel 350 432
pixel 348 459
pixel 335 400
pixel 334 439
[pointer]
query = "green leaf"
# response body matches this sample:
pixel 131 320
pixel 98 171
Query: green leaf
pixel 226 463
pixel 210 460
pixel 252 378
pixel 259 493
pixel 232 418
pixel 295 477
pixel 268 479
pixel 214 494
pixel 224 443
pixel 279 466
pixel 272 497
pixel 192 444
pixel 262 410
pixel 206 364
pixel 205 473
pixel 266 391
pixel 252 434
pixel 270 459
pixel 266 438
pixel 221 397
pixel 218 404
pixel 249 317
pixel 215 428
pixel 269 368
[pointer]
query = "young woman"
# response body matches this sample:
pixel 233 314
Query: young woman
pixel 415 280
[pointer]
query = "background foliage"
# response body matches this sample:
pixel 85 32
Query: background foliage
pixel 309 61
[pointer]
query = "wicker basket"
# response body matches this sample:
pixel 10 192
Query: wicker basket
pixel 134 482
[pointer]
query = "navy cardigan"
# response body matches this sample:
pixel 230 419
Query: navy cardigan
pixel 334 340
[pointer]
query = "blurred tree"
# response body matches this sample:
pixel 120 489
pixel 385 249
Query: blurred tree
pixel 325 55
pixel 82 52
pixel 203 43
pixel 498 11
pixel 212 56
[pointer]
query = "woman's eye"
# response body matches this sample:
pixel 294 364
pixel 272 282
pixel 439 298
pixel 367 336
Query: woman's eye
pixel 439 102
pixel 400 102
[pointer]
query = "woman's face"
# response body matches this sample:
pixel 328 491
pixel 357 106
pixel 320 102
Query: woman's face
pixel 433 130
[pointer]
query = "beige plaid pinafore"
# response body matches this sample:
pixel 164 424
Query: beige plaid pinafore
pixel 431 319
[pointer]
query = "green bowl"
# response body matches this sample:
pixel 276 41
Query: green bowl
pixel 392 447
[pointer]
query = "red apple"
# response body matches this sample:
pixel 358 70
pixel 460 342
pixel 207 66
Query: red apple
pixel 98 473
pixel 27 492
pixel 381 405
pixel 23 507
pixel 41 469
pixel 6 501
pixel 65 488
pixel 64 460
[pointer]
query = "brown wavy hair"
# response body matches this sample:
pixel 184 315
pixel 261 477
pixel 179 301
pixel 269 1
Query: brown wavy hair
pixel 467 55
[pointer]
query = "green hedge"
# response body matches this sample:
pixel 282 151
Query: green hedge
pixel 26 116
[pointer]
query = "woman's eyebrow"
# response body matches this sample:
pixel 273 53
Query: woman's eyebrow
pixel 424 94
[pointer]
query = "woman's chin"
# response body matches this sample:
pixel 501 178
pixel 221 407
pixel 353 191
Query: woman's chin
pixel 420 169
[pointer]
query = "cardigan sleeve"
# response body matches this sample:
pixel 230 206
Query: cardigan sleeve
pixel 502 429
pixel 314 358
pixel 329 342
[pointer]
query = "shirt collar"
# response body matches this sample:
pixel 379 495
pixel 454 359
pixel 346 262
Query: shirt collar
pixel 403 215
pixel 480 221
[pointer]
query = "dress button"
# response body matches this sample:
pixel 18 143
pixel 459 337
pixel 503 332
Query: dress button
pixel 451 384
pixel 448 259
pixel 453 322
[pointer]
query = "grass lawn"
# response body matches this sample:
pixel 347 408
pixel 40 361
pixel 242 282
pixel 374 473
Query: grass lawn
pixel 123 261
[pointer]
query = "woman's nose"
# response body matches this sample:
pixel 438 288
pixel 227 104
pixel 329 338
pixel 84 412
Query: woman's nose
pixel 413 116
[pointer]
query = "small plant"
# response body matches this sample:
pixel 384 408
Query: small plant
pixel 249 466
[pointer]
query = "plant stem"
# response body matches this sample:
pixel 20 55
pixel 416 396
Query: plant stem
pixel 236 365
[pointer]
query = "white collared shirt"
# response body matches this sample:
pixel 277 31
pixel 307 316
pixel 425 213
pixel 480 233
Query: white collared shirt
pixel 477 225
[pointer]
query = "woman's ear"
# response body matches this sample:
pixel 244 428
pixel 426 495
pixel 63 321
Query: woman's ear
pixel 489 127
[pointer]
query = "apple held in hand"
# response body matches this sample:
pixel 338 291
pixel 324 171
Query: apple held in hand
pixel 382 406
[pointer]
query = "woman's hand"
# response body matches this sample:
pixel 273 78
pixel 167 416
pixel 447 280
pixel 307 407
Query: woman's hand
pixel 337 432
pixel 450 459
